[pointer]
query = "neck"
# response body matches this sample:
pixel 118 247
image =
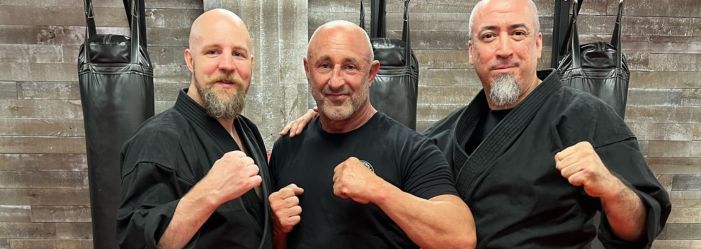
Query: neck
pixel 194 94
pixel 228 124
pixel 355 121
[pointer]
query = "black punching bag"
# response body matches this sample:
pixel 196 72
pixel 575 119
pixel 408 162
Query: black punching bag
pixel 116 92
pixel 598 68
pixel 395 89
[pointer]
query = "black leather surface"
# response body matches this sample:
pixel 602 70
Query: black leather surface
pixel 116 91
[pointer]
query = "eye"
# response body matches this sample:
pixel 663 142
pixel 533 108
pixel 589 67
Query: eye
pixel 240 54
pixel 323 67
pixel 350 67
pixel 211 52
pixel 520 34
pixel 489 36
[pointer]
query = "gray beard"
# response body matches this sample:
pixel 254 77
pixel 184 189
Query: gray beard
pixel 505 90
pixel 221 108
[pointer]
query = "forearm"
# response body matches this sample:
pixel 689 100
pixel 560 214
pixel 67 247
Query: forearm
pixel 279 238
pixel 191 213
pixel 442 222
pixel 625 213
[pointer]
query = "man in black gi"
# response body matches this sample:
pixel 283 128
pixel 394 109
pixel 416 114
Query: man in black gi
pixel 536 160
pixel 195 175
pixel 362 179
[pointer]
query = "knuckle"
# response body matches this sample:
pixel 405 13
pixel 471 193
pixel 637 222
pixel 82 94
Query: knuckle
pixel 294 200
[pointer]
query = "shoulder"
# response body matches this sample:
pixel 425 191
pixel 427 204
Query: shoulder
pixel 441 131
pixel 404 138
pixel 445 124
pixel 156 139
pixel 285 143
pixel 582 116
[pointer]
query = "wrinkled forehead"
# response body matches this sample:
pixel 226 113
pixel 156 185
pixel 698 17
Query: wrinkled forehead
pixel 499 13
pixel 334 41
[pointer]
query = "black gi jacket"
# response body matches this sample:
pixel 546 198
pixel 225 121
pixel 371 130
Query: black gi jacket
pixel 166 157
pixel 517 196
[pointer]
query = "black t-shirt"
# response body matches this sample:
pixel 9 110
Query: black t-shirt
pixel 485 125
pixel 396 153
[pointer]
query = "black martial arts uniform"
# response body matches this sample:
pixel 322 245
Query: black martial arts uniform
pixel 166 157
pixel 394 152
pixel 509 180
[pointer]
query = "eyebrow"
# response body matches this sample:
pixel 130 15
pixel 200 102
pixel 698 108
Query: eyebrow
pixel 345 60
pixel 513 26
pixel 205 47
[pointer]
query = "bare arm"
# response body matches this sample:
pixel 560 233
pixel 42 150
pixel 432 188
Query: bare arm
pixel 441 222
pixel 624 211
pixel 230 177
pixel 623 208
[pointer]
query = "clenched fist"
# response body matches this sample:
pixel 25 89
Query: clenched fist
pixel 285 205
pixel 230 177
pixel 352 179
pixel 582 167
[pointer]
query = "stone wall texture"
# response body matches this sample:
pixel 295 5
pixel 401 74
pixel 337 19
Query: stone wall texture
pixel 44 200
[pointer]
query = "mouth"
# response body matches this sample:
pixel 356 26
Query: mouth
pixel 336 97
pixel 502 68
pixel 226 84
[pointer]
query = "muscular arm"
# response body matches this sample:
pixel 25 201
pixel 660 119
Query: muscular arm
pixel 443 221
pixel 625 211
pixel 582 166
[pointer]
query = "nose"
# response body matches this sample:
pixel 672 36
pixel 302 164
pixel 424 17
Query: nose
pixel 226 63
pixel 336 81
pixel 505 49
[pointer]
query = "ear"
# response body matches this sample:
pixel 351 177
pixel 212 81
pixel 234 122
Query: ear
pixel 539 44
pixel 374 69
pixel 188 60
pixel 306 67
pixel 470 50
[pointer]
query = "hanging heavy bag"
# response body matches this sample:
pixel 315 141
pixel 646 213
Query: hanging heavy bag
pixel 116 92
pixel 395 89
pixel 599 68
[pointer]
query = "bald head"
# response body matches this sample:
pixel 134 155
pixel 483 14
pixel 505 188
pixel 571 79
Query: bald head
pixel 340 29
pixel 482 3
pixel 216 20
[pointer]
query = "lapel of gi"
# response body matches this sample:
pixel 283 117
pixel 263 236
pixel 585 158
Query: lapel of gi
pixel 258 153
pixel 501 137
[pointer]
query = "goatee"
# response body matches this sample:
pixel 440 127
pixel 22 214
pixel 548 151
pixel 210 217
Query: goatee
pixel 505 90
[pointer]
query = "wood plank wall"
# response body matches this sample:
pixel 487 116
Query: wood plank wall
pixel 44 199
pixel 662 40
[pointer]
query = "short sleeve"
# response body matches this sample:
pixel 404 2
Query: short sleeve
pixel 427 173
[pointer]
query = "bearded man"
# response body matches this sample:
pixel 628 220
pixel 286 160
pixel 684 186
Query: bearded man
pixel 535 159
pixel 195 175
pixel 357 178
